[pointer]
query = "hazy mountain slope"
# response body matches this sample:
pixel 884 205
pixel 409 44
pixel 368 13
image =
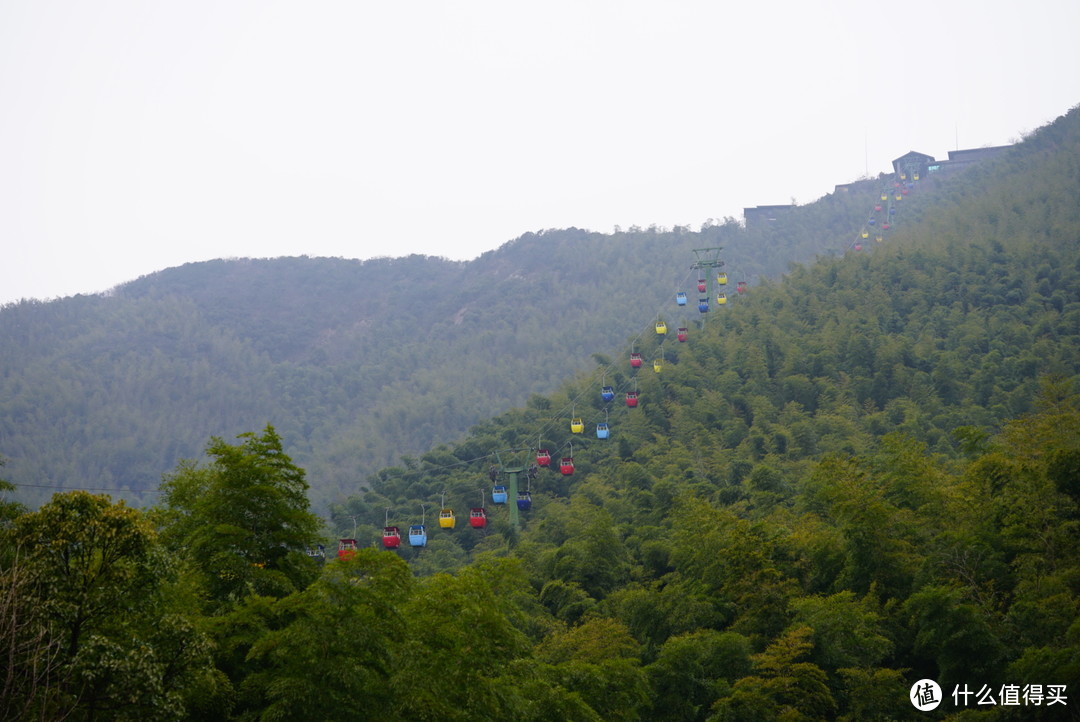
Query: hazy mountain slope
pixel 355 362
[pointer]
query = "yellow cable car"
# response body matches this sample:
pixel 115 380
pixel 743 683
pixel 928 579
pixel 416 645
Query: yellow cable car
pixel 658 365
pixel 661 327
pixel 577 426
pixel 865 233
pixel 447 520
pixel 721 298
pixel 721 278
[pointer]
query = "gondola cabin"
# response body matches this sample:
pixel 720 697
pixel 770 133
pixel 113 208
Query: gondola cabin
pixel 879 238
pixel 703 305
pixel 865 233
pixel 661 328
pixel 607 393
pixel 858 246
pixel 885 226
pixel 884 197
pixel 701 285
pixel 477 517
pixel 657 365
pixel 391 537
pixel 498 494
pixel 680 298
pixel 524 501
pixel 721 299
pixel 543 457
pixel 346 548
pixel 635 360
pixel 871 222
pixel 877 208
pixel 577 426
pixel 447 520
pixel 602 430
pixel 721 278
pixel 631 398
pixel 566 465
pixel 417 535
pixel 682 334
pixel 741 286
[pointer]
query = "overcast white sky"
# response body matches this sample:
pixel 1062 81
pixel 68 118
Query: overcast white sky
pixel 136 135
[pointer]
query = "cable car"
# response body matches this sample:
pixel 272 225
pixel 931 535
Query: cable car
pixel 566 465
pixel 703 305
pixel 543 457
pixel 871 222
pixel 680 298
pixel 661 327
pixel 391 537
pixel 417 535
pixel 635 360
pixel 602 430
pixel 498 494
pixel 477 517
pixel 721 278
pixel 721 299
pixel 903 176
pixel 346 548
pixel 631 398
pixel 914 176
pixel 447 520
pixel 892 211
pixel 858 246
pixel 524 500
pixel 577 426
pixel 898 197
pixel 741 286
pixel 884 196
pixel 877 208
pixel 658 365
pixel 682 334
pixel 885 226
pixel 879 238
pixel 865 233
pixel 607 393
pixel 701 285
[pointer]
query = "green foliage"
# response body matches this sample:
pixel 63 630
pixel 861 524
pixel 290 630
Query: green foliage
pixel 243 520
pixel 86 623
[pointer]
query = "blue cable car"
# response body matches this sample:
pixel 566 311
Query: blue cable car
pixel 498 494
pixel 602 430
pixel 607 393
pixel 680 298
pixel 703 305
pixel 417 536
pixel 524 501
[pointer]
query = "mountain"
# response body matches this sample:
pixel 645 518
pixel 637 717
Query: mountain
pixel 356 363
pixel 852 493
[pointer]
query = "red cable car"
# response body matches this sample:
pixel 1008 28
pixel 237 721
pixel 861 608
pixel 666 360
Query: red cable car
pixel 477 517
pixel 701 285
pixel 566 465
pixel 635 360
pixel 543 457
pixel 346 548
pixel 631 398
pixel 682 334
pixel 391 537
pixel 741 286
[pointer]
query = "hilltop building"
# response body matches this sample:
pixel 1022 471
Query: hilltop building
pixel 764 215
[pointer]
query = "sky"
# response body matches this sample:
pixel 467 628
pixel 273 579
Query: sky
pixel 138 135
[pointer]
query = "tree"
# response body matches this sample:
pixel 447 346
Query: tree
pixel 95 633
pixel 244 519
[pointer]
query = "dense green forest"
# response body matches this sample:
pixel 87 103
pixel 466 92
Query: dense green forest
pixel 356 363
pixel 860 476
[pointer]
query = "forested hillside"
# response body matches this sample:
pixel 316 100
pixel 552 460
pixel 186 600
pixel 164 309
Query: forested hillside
pixel 357 363
pixel 858 477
